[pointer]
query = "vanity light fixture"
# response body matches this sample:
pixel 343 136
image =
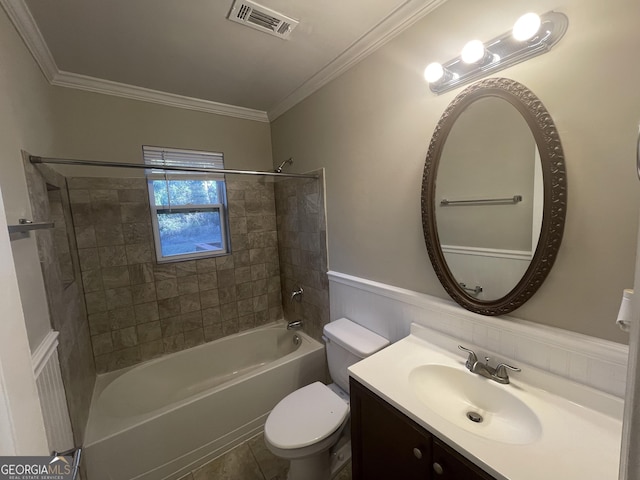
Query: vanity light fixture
pixel 532 35
pixel 475 52
pixel 435 72
pixel 526 26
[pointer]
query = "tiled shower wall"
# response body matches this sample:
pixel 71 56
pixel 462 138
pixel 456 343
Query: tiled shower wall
pixel 302 244
pixel 139 309
pixel 62 279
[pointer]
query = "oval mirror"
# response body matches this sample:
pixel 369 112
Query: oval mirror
pixel 494 196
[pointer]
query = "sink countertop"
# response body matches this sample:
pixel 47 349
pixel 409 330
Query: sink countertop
pixel 581 428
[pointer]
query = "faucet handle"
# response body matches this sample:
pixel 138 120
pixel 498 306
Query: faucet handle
pixel 471 359
pixel 297 294
pixel 501 372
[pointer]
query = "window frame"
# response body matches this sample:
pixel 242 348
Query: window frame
pixel 221 207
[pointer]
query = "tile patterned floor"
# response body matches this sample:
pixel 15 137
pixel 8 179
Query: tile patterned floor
pixel 250 461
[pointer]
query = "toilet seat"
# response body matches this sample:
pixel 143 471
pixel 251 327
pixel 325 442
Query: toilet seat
pixel 305 417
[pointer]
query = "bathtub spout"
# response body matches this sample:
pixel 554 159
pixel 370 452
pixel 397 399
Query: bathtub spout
pixel 294 325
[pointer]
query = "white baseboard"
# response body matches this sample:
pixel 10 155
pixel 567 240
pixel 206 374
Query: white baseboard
pixel 389 311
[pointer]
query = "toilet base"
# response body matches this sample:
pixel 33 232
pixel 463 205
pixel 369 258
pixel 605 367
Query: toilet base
pixel 315 467
pixel 323 466
pixel 340 455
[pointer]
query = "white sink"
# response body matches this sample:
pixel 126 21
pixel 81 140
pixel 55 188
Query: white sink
pixel 477 404
pixel 537 427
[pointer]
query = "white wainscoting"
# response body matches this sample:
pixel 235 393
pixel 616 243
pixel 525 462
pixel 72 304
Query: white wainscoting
pixel 53 400
pixel 389 311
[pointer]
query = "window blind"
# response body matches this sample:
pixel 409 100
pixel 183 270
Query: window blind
pixel 161 156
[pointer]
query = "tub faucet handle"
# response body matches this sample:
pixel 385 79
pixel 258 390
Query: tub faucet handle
pixel 297 294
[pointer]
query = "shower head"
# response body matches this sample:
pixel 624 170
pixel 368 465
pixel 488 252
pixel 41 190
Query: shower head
pixel 288 161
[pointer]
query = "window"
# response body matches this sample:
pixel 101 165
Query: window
pixel 188 209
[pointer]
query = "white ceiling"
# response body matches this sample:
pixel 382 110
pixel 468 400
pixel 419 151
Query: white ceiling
pixel 187 53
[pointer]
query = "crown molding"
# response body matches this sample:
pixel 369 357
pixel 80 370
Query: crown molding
pixel 108 87
pixel 395 23
pixel 25 24
pixel 391 26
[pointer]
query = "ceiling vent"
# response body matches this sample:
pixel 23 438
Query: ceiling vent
pixel 262 18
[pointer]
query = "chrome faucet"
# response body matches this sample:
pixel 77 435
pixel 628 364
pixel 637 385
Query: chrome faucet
pixel 294 325
pixel 498 374
pixel 297 294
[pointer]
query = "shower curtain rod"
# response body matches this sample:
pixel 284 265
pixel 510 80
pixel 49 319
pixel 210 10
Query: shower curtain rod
pixel 92 163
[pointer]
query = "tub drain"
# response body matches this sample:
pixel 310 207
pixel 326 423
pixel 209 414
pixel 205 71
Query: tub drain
pixel 474 417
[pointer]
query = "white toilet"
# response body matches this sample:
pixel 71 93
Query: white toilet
pixel 306 424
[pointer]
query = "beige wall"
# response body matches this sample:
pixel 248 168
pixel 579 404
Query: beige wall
pixel 93 126
pixel 371 127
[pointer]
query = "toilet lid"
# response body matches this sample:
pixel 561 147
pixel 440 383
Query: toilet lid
pixel 305 417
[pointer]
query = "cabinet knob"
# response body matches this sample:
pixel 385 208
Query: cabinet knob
pixel 438 468
pixel 417 453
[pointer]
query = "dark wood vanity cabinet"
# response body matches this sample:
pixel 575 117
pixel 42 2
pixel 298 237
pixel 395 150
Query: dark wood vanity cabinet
pixel 386 444
pixel 447 464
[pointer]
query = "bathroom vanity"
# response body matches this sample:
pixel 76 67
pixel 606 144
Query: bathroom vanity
pixel 419 413
pixel 385 444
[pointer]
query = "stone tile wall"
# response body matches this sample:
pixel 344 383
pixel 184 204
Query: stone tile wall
pixel 62 279
pixel 61 231
pixel 139 309
pixel 302 235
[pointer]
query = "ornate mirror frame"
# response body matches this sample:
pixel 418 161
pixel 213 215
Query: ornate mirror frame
pixel 555 193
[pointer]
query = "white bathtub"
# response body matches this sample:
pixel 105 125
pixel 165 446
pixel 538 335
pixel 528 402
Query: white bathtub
pixel 163 418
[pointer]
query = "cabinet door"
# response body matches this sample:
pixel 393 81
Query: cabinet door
pixel 447 464
pixel 385 443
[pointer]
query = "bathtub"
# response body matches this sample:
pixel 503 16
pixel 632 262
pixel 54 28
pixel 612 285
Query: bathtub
pixel 165 417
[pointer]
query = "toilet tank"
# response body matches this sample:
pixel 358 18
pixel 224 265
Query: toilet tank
pixel 348 343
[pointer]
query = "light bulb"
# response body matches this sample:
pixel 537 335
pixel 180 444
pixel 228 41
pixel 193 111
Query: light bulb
pixel 526 26
pixel 473 52
pixel 433 72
